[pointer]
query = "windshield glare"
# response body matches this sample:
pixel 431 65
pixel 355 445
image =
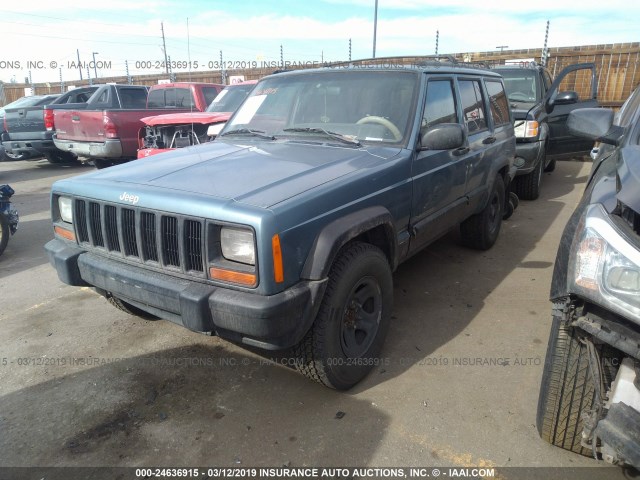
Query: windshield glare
pixel 521 85
pixel 367 106
pixel 229 99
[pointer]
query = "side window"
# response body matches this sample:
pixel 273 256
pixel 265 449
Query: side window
pixel 440 106
pixel 184 99
pixel 473 105
pixel 498 102
pixel 133 98
pixel 156 99
pixel 103 99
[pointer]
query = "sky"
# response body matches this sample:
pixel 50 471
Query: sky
pixel 44 37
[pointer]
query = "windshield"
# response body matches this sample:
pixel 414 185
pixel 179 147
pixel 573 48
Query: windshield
pixel 521 85
pixel 229 99
pixel 353 106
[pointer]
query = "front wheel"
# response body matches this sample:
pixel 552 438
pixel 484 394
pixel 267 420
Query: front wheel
pixel 527 186
pixel 567 393
pixel 346 338
pixel 481 230
pixel 4 232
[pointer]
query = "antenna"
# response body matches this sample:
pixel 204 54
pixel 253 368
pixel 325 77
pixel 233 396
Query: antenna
pixel 164 48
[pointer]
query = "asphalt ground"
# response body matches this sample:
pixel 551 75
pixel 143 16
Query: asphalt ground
pixel 83 384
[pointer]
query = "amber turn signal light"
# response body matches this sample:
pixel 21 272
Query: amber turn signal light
pixel 246 279
pixel 64 233
pixel 278 270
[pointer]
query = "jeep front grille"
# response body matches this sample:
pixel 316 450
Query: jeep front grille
pixel 153 238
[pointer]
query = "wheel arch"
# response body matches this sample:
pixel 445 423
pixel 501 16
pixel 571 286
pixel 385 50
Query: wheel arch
pixel 372 225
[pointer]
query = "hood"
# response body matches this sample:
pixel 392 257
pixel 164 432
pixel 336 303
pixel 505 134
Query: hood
pixel 260 174
pixel 629 177
pixel 186 118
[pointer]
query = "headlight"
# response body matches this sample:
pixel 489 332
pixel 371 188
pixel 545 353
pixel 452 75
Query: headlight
pixel 64 207
pixel 526 129
pixel 604 266
pixel 238 245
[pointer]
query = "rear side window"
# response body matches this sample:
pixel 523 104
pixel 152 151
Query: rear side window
pixel 133 97
pixel 497 102
pixel 475 117
pixel 156 99
pixel 440 105
pixel 184 99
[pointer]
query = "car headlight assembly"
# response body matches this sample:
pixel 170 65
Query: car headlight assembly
pixel 238 245
pixel 65 210
pixel 526 128
pixel 604 266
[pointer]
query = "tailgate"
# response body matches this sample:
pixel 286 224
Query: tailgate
pixel 79 125
pixel 23 122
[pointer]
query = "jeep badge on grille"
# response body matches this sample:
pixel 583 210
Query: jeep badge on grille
pixel 127 197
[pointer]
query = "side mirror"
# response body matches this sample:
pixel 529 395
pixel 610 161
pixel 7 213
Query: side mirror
pixel 566 98
pixel 445 136
pixel 595 124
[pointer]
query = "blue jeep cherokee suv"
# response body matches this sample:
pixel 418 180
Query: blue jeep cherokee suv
pixel 285 231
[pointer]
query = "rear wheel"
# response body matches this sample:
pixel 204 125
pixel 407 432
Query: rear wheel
pixel 346 338
pixel 60 157
pixel 527 186
pixel 481 230
pixel 101 163
pixel 567 392
pixel 128 308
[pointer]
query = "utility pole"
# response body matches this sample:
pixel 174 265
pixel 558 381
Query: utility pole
pixel 349 49
pixel 281 57
pixel 79 64
pixel 375 28
pixel 126 66
pixel 95 70
pixel 502 47
pixel 437 39
pixel 61 82
pixel 164 48
pixel 223 74
pixel 545 52
pixel 89 76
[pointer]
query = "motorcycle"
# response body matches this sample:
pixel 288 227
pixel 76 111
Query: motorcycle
pixel 8 216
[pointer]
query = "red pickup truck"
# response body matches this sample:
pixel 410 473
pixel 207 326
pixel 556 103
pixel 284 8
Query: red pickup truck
pixel 106 128
pixel 163 133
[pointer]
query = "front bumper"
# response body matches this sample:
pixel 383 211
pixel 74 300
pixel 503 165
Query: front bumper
pixel 528 154
pixel 111 148
pixel 268 322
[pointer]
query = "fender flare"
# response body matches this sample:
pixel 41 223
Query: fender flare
pixel 339 232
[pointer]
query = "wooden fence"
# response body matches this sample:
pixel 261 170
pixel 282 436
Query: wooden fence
pixel 618 71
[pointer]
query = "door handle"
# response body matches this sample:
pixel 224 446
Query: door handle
pixel 489 140
pixel 461 151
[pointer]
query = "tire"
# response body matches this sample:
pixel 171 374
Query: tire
pixel 481 230
pixel 10 157
pixel 527 187
pixel 101 163
pixel 335 352
pixel 567 390
pixel 128 308
pixel 551 166
pixel 60 157
pixel 5 232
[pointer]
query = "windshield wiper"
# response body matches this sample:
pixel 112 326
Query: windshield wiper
pixel 338 136
pixel 249 131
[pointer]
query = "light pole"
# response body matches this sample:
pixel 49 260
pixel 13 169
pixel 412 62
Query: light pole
pixel 95 71
pixel 375 28
pixel 502 47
